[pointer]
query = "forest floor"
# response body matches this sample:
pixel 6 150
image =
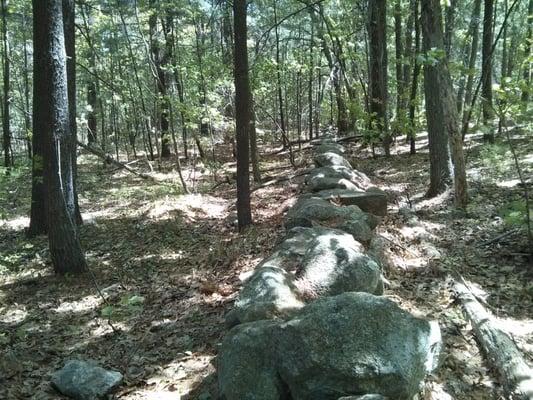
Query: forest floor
pixel 168 266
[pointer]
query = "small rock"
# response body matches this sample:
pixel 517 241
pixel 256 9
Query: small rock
pixel 85 380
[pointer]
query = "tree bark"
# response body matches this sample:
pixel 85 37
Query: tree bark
pixel 54 121
pixel 441 111
pixel 474 26
pixel 377 27
pixel 242 113
pixel 69 167
pixel 414 82
pixel 499 347
pixel 6 117
pixel 486 68
pixel 527 53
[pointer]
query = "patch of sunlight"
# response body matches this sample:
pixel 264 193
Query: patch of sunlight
pixel 435 201
pixel 515 327
pixel 85 304
pixel 179 255
pixel 436 391
pixel 15 223
pixel 527 159
pixel 191 205
pixel 416 232
pixel 508 183
pixel 13 315
pixel 90 217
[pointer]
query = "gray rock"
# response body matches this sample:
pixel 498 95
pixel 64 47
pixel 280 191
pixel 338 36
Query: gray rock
pixel 326 147
pixel 245 364
pixel 309 263
pixel 335 263
pixel 374 202
pixel 328 177
pixel 319 183
pixel 328 159
pixel 364 397
pixel 310 211
pixel 85 380
pixel 351 344
pixel 269 293
pixel 355 343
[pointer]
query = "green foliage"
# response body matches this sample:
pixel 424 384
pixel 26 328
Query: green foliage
pixel 515 213
pixel 129 306
pixel 497 157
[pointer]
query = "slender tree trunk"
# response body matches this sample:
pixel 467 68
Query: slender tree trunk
pixel 449 27
pixel 27 110
pixel 527 53
pixel 6 117
pixel 474 26
pixel 400 83
pixel 69 167
pixel 279 86
pixel 414 83
pixel 65 249
pixel 310 80
pixel 486 73
pixel 377 28
pixel 242 113
pixel 441 112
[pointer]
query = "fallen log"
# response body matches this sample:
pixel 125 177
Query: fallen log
pixel 110 160
pixel 500 349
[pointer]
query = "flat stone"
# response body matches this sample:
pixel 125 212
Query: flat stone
pixel 85 380
pixel 374 202
pixel 332 177
pixel 313 211
pixel 329 159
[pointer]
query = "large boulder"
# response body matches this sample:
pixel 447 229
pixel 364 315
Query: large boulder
pixel 371 201
pixel 329 159
pixel 335 263
pixel 246 364
pixel 334 177
pixel 312 211
pixel 85 380
pixel 347 345
pixel 309 263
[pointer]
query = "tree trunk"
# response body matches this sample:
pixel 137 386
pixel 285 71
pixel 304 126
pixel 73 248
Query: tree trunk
pixel 527 53
pixel 449 27
pixel 69 167
pixel 6 117
pixel 499 348
pixel 414 83
pixel 53 120
pixel 377 28
pixel 474 26
pixel 242 113
pixel 400 83
pixel 160 60
pixel 27 110
pixel 441 111
pixel 486 69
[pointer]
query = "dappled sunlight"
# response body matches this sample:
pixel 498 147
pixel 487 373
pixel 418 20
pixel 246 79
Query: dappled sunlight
pixel 15 224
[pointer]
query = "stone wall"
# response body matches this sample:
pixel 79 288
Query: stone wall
pixel 311 321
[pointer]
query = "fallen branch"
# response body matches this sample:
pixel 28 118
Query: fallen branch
pixel 110 160
pixel 500 237
pixel 500 349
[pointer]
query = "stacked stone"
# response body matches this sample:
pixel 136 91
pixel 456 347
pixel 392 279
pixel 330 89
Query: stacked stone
pixel 311 321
